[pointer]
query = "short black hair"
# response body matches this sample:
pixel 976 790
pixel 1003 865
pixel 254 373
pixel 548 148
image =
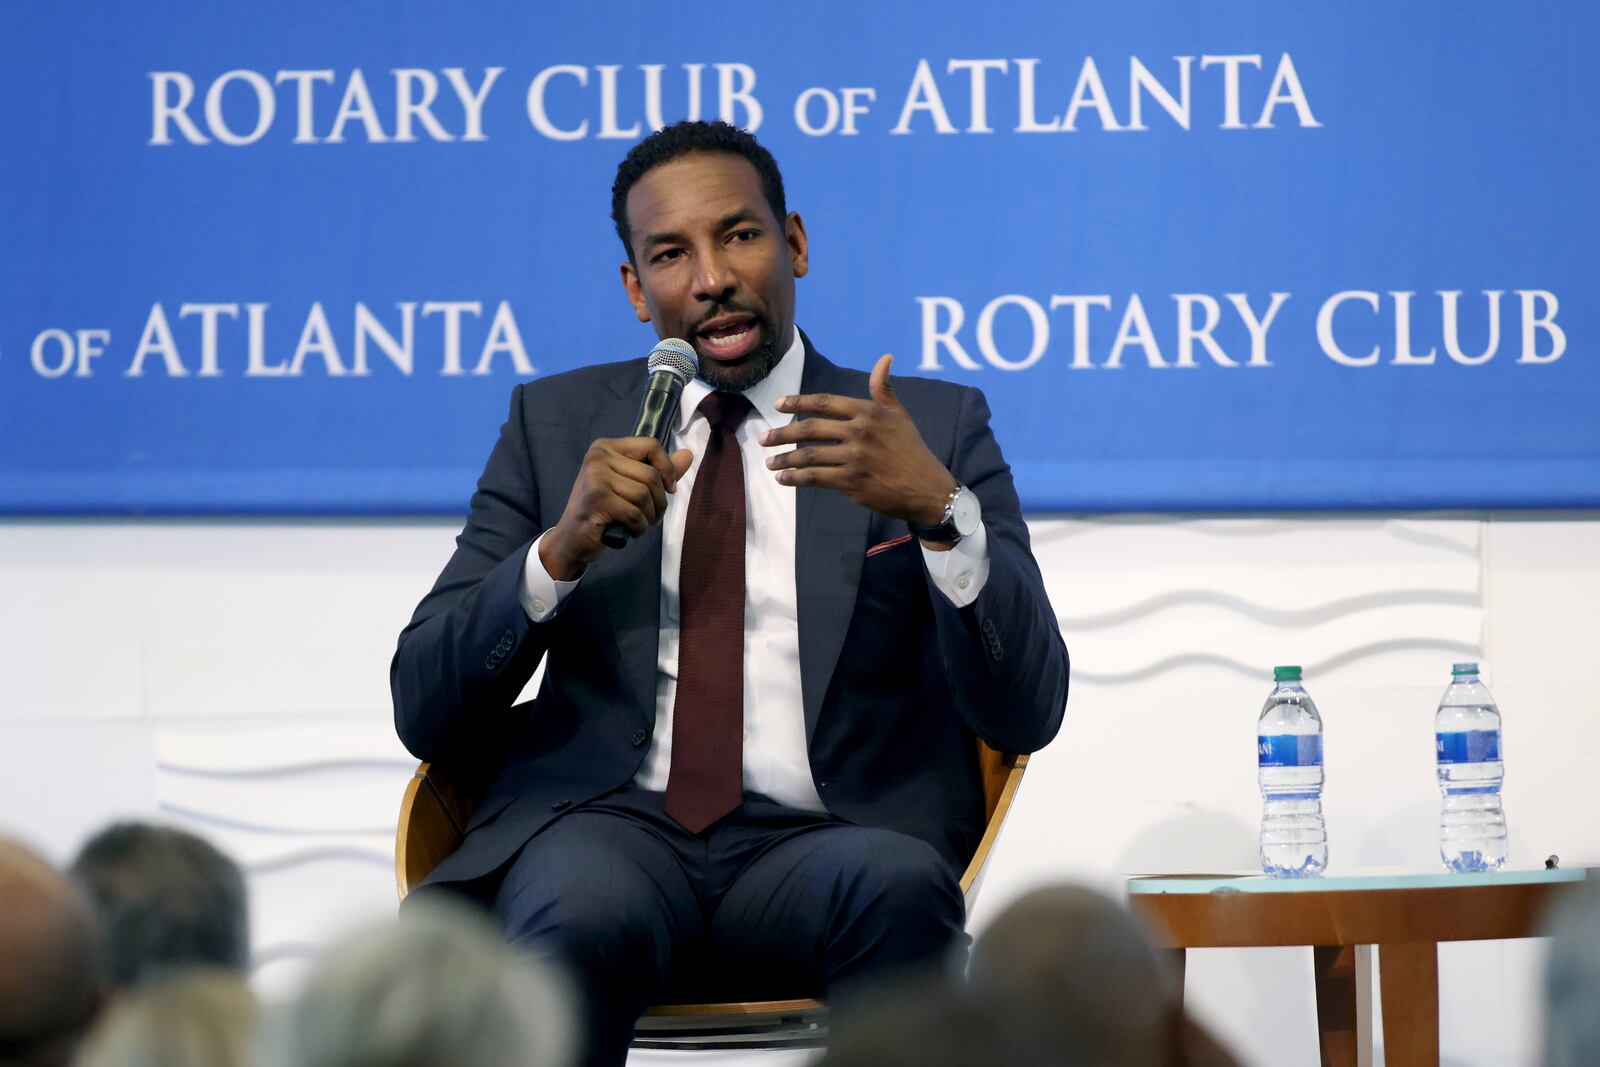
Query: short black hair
pixel 168 900
pixel 680 139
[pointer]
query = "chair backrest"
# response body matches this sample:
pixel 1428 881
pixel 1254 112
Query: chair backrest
pixel 435 809
pixel 1002 774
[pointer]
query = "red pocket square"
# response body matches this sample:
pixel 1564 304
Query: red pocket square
pixel 887 545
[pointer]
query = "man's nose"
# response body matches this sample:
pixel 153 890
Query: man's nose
pixel 715 282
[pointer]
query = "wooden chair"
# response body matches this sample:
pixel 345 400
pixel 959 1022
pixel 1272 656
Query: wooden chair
pixel 434 812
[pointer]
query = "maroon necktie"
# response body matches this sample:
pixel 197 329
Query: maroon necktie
pixel 707 776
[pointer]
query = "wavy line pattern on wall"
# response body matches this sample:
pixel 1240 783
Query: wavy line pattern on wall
pixel 1423 533
pixel 1256 670
pixel 1267 613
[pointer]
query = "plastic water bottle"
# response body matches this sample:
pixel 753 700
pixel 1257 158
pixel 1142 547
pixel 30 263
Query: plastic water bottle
pixel 1294 838
pixel 1472 826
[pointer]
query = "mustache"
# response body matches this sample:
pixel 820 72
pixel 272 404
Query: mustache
pixel 729 308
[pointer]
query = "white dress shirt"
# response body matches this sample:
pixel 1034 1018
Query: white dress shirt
pixel 776 763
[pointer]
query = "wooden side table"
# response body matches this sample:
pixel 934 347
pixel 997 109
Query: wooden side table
pixel 1405 915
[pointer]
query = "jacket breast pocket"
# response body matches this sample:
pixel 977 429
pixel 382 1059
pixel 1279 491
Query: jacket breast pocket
pixel 893 595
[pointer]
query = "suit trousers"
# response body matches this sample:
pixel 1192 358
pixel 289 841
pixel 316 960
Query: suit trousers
pixel 769 902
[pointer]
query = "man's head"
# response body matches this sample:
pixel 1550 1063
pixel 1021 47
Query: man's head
pixel 712 250
pixel 439 986
pixel 1085 971
pixel 200 1018
pixel 930 1021
pixel 52 959
pixel 168 898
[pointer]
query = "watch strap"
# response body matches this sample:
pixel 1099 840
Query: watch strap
pixel 944 533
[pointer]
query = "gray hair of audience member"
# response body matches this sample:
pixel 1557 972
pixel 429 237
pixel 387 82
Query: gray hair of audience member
pixel 169 899
pixel 438 986
pixel 930 1021
pixel 1572 979
pixel 196 1018
pixel 52 962
pixel 1082 970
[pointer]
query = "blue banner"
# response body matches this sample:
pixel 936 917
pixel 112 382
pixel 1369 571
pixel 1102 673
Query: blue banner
pixel 292 257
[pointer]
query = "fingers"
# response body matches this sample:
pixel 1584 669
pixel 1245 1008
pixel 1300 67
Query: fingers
pixel 648 450
pixel 641 485
pixel 812 456
pixel 807 430
pixel 681 459
pixel 630 478
pixel 619 510
pixel 826 405
pixel 878 384
pixel 844 479
pixel 622 480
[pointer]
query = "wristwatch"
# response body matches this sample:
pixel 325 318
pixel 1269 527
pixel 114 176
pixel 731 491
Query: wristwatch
pixel 962 514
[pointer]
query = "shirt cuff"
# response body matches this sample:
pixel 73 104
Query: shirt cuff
pixel 960 573
pixel 541 595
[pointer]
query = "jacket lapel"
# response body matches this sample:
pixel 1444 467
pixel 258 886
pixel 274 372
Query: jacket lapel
pixel 631 575
pixel 830 545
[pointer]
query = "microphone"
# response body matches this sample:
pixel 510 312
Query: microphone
pixel 671 366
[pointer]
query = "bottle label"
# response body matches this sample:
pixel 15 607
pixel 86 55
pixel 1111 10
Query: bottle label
pixel 1289 750
pixel 1468 746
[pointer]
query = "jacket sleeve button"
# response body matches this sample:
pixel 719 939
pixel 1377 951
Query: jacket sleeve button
pixel 639 737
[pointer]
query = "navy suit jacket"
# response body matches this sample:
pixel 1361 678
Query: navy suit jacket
pixel 895 680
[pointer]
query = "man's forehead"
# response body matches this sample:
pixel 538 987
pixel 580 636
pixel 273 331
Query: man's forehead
pixel 700 186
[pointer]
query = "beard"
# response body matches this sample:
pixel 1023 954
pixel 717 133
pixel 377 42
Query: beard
pixel 751 368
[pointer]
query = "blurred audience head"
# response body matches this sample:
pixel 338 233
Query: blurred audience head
pixel 169 900
pixel 440 986
pixel 931 1021
pixel 1080 969
pixel 52 962
pixel 195 1018
pixel 1572 980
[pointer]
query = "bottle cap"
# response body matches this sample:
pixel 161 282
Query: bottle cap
pixel 1463 668
pixel 1286 674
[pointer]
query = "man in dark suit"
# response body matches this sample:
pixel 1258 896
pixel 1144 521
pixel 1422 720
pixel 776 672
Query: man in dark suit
pixel 754 740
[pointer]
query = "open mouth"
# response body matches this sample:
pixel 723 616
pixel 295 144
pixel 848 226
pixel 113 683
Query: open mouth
pixel 729 338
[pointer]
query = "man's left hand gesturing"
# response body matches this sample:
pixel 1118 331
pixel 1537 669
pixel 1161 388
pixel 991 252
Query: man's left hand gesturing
pixel 869 450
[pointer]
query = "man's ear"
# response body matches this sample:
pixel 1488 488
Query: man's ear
pixel 794 234
pixel 630 283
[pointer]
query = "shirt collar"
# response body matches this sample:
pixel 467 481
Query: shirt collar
pixel 763 396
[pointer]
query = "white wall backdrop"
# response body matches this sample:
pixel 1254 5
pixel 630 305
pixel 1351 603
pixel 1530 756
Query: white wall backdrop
pixel 231 677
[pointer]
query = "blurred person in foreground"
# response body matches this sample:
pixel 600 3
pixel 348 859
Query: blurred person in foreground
pixel 169 900
pixel 931 1020
pixel 201 1017
pixel 440 986
pixel 1082 972
pixel 1572 980
pixel 52 962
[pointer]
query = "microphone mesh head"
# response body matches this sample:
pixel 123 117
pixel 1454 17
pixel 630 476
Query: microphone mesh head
pixel 676 356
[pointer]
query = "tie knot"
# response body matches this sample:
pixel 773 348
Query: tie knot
pixel 725 411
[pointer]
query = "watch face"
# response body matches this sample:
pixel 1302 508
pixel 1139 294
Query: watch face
pixel 965 512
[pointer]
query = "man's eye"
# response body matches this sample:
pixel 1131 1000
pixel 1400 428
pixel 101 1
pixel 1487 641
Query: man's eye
pixel 746 235
pixel 669 254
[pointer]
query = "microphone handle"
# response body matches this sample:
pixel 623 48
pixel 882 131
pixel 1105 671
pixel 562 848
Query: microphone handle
pixel 657 411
